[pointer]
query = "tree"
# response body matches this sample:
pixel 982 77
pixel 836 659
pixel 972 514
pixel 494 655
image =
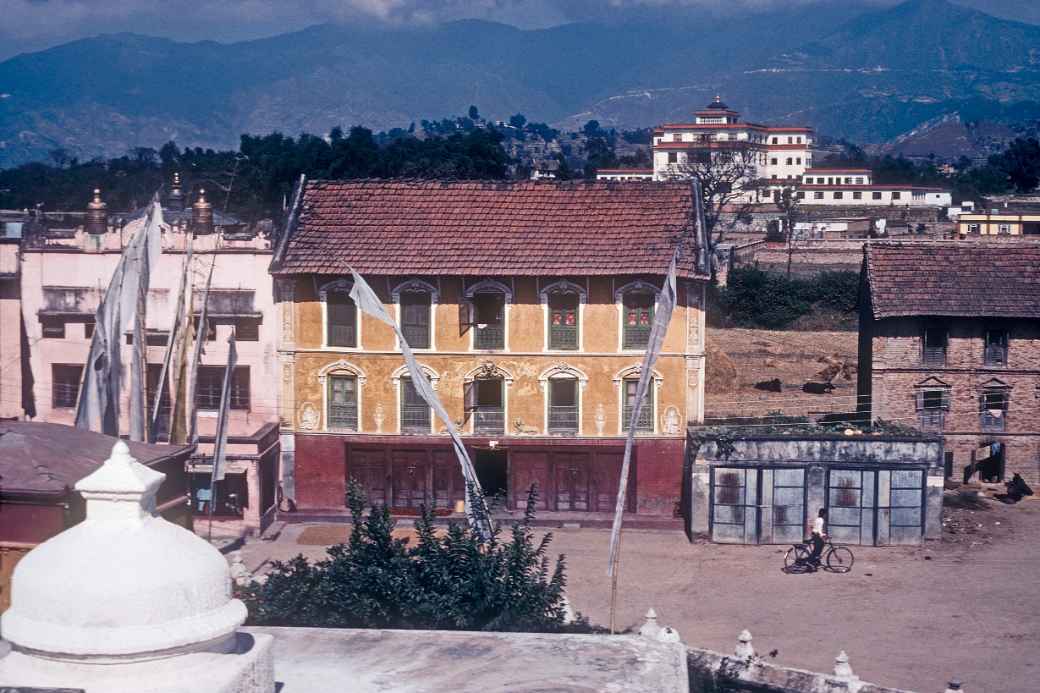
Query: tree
pixel 1021 163
pixel 788 201
pixel 474 114
pixel 449 580
pixel 729 185
pixel 518 121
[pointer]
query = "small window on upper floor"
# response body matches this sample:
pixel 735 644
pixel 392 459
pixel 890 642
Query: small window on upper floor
pixel 415 318
pixel 563 320
pixel 875 195
pixel 209 387
pixel 638 319
pixel 489 320
pixel 65 380
pixel 996 347
pixel 818 195
pixel 341 319
pixel 673 157
pixel 933 348
pixel 897 195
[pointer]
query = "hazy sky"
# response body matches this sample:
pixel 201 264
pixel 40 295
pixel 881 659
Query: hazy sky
pixel 36 24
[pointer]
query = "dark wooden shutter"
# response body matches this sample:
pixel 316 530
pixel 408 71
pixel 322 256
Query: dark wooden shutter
pixel 469 397
pixel 465 313
pixel 342 320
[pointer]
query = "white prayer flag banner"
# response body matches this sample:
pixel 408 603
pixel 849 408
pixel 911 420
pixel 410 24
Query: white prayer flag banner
pixel 476 507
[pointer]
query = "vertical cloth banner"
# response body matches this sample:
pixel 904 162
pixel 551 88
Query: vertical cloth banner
pixel 175 345
pixel 662 317
pixel 220 440
pixel 476 506
pixel 196 359
pixel 98 406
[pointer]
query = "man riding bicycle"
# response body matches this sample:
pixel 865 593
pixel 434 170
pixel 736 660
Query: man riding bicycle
pixel 818 535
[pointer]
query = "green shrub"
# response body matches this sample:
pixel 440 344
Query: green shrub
pixel 771 300
pixel 450 580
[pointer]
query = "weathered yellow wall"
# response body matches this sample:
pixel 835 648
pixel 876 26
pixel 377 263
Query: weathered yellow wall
pixel 600 360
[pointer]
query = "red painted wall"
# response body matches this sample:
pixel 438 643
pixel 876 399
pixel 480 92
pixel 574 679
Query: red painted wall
pixel 656 487
pixel 659 463
pixel 30 523
pixel 321 472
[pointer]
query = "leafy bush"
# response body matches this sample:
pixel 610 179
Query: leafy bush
pixel 449 580
pixel 771 300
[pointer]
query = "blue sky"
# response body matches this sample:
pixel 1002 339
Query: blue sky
pixel 36 24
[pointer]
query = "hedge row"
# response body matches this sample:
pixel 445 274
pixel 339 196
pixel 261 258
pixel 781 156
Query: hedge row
pixel 772 300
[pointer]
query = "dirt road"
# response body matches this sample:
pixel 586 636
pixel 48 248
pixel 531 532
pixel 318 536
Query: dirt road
pixel 966 608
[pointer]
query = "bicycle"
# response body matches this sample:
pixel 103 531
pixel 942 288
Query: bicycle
pixel 837 557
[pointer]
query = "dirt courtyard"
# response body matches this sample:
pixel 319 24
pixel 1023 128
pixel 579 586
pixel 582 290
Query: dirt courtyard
pixel 913 618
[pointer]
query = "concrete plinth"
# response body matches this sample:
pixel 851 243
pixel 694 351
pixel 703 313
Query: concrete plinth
pixel 247 668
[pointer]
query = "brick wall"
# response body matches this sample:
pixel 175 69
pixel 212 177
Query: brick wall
pixel 897 370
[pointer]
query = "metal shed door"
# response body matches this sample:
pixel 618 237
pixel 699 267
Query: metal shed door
pixel 900 506
pixel 734 505
pixel 851 497
pixel 783 506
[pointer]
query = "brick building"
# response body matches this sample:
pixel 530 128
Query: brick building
pixel 529 307
pixel 950 343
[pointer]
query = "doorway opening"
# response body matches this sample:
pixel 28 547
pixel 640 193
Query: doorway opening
pixel 991 467
pixel 493 475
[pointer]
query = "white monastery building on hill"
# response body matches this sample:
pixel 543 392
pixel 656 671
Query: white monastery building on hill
pixel 774 153
pixel 776 157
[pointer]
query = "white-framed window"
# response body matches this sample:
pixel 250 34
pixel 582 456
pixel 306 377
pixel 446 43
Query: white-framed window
pixel 562 390
pixel 416 303
pixel 340 322
pixel 341 384
pixel 636 302
pixel 485 311
pixel 563 306
pixel 486 399
pixel 626 382
pixel 1004 229
pixel 414 415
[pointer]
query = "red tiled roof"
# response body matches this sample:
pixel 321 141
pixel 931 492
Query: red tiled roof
pixel 954 279
pixel 478 228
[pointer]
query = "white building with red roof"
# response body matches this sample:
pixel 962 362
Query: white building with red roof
pixel 774 153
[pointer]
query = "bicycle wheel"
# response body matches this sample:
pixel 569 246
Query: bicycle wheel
pixel 796 558
pixel 840 559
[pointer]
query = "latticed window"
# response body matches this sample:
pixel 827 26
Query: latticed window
pixel 65 379
pixel 933 349
pixel 645 423
pixel 638 318
pixel 341 316
pixel 563 320
pixel 415 412
pixel 563 406
pixel 415 318
pixel 993 408
pixel 489 319
pixel 996 348
pixel 209 386
pixel 343 402
pixel 932 406
pixel 485 401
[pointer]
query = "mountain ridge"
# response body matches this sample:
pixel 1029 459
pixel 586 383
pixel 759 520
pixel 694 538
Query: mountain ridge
pixel 864 74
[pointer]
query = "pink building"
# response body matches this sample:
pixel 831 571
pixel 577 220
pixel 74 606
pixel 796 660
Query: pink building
pixel 64 272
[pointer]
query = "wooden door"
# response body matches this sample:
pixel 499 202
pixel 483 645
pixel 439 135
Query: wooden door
pixel 605 473
pixel 408 475
pixel 368 468
pixel 448 485
pixel 572 481
pixel 527 469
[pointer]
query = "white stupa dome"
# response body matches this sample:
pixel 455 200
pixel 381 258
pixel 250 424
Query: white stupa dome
pixel 124 583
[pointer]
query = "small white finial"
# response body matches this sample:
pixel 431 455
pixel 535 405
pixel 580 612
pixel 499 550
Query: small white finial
pixel 650 628
pixel 744 648
pixel 842 669
pixel 120 489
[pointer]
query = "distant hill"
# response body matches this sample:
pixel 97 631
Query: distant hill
pixel 849 70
